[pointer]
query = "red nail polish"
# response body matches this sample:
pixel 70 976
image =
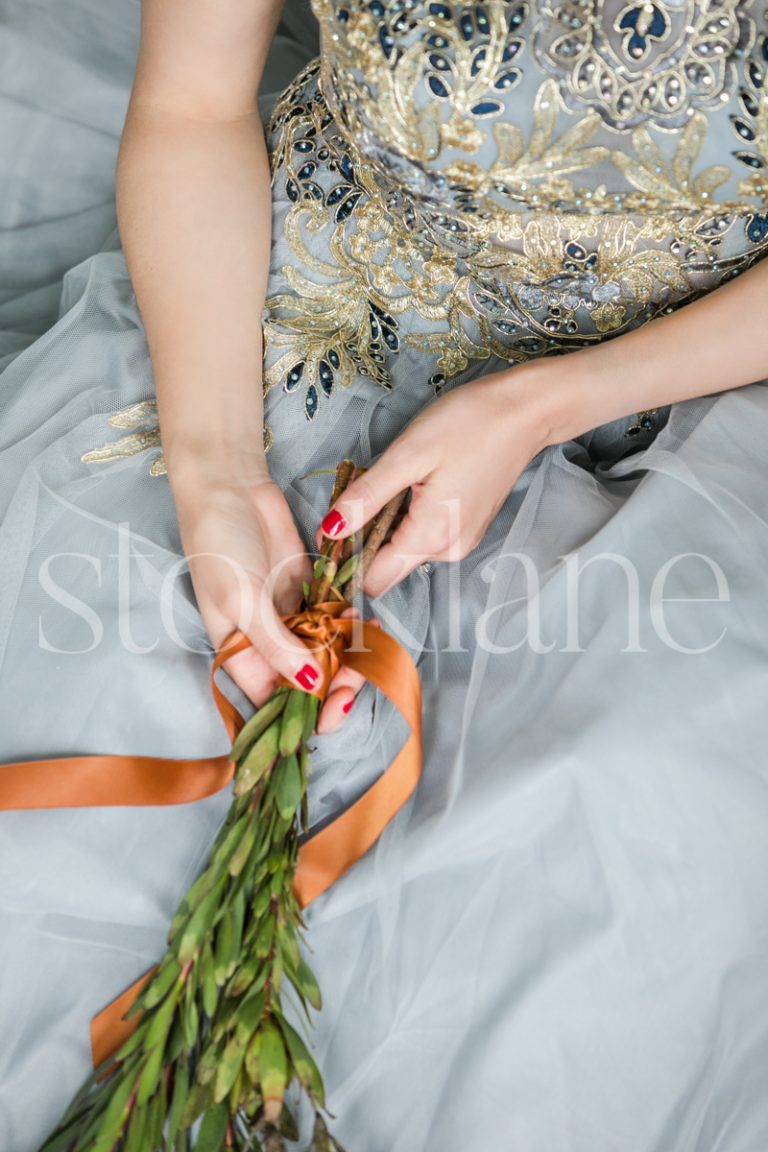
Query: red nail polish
pixel 307 677
pixel 333 524
pixel 348 706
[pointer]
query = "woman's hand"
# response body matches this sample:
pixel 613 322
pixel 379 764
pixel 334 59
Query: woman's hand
pixel 461 457
pixel 247 565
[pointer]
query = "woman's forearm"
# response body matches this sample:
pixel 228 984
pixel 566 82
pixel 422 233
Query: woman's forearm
pixel 714 344
pixel 194 211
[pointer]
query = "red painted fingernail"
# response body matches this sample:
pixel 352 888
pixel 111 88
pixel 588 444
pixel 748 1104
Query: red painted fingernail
pixel 307 677
pixel 333 524
pixel 348 706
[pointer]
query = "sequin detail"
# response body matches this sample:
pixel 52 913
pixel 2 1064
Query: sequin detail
pixel 394 270
pixel 649 60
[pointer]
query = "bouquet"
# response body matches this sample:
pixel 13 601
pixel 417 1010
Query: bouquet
pixel 213 1052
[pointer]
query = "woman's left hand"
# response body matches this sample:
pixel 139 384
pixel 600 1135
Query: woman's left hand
pixel 461 457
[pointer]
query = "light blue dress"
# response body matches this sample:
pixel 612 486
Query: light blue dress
pixel 561 943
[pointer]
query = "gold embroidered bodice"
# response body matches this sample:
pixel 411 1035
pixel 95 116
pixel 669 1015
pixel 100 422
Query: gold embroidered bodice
pixel 510 179
pixel 583 106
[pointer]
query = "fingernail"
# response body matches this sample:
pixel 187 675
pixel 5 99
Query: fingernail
pixel 307 677
pixel 348 706
pixel 333 524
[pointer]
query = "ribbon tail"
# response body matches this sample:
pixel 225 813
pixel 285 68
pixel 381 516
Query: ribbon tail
pixel 331 852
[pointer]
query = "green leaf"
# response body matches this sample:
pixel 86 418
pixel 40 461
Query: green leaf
pixel 156 1113
pixel 191 1021
pixel 265 937
pixel 292 722
pixel 241 979
pixel 274 1069
pixel 209 986
pixel 213 1129
pixel 179 1098
pixel 245 847
pixel 302 1060
pixel 117 1109
pixel 150 1077
pixel 261 902
pixel 229 1066
pixel 308 984
pixel 223 853
pixel 258 761
pixel 160 1021
pixel 175 1045
pixel 259 722
pixel 201 887
pixel 288 1126
pixel 223 951
pixel 322 1141
pixel 135 1139
pixel 200 922
pixel 228 939
pixel 253 1059
pixel 310 720
pixel 208 1063
pixel 161 982
pixel 289 946
pixel 249 1014
pixel 64 1136
pixel 89 1125
pixel 348 569
pixel 134 1041
pixel 289 787
pixel 198 1100
pixel 181 1143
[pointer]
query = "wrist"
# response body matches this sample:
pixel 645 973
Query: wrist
pixel 198 466
pixel 545 395
pixel 573 393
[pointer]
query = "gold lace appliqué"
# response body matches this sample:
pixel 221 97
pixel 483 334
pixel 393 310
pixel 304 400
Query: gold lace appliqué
pixel 643 60
pixel 143 418
pixel 374 268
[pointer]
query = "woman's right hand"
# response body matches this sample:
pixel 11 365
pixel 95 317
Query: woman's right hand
pixel 247 564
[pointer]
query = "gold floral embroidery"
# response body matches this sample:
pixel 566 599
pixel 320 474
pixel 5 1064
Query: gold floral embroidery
pixel 143 417
pixel 646 59
pixel 375 268
pixel 547 157
pixel 751 126
pixel 673 184
pixel 421 88
pixel 462 66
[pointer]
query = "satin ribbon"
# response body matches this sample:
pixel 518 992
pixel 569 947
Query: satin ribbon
pixel 113 781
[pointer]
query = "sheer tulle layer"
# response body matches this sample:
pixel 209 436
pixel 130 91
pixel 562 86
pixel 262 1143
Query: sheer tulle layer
pixel 561 942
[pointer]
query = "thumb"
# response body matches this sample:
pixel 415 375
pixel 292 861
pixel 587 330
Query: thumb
pixel 368 494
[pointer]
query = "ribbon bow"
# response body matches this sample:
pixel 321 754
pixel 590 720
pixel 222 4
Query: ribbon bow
pixel 326 636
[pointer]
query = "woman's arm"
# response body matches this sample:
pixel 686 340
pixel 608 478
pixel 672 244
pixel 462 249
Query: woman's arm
pixel 464 453
pixel 194 211
pixel 717 343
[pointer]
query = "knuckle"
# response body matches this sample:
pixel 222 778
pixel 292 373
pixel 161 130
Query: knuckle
pixel 439 538
pixel 363 493
pixel 272 644
pixel 232 605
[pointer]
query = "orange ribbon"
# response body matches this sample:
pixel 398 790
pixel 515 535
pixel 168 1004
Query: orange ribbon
pixel 113 781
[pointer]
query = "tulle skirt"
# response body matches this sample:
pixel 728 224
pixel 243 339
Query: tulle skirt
pixel 561 942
